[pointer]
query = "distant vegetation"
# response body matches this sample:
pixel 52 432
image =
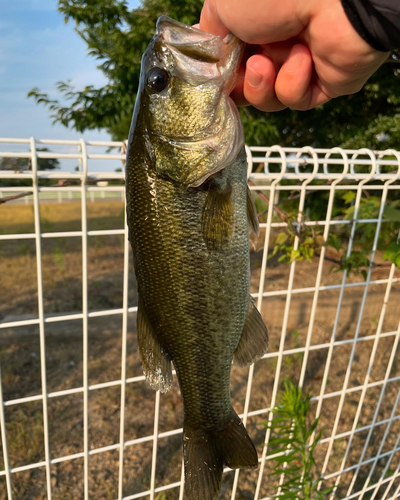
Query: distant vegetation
pixel 23 164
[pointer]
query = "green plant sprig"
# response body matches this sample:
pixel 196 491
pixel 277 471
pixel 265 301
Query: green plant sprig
pixel 292 447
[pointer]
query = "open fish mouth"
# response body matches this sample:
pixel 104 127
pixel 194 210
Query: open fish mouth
pixel 189 40
pixel 197 53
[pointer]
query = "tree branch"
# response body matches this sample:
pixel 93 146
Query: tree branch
pixel 266 199
pixel 15 197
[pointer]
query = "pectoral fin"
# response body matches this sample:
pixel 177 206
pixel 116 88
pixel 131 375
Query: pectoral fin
pixel 156 363
pixel 252 214
pixel 254 340
pixel 217 217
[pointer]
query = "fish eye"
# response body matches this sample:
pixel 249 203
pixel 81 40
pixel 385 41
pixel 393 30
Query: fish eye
pixel 157 80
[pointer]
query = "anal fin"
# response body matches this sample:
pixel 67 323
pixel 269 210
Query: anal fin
pixel 254 340
pixel 217 217
pixel 252 214
pixel 156 363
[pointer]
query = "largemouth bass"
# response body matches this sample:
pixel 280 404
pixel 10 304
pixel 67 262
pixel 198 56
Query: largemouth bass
pixel 189 213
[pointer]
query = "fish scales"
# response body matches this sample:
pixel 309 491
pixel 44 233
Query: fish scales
pixel 187 288
pixel 187 212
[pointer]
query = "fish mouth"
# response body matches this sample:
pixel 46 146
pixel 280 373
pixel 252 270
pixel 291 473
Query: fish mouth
pixel 215 56
pixel 189 40
pixel 199 56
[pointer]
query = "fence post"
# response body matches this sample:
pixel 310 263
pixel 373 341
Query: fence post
pixel 348 371
pixel 4 442
pixel 85 319
pixel 125 306
pixel 41 312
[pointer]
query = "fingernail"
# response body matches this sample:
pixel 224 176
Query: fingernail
pixel 294 62
pixel 253 77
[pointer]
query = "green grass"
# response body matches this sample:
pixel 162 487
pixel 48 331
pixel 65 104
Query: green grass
pixel 17 219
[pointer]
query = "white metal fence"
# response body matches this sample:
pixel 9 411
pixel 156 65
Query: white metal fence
pixel 336 334
pixel 62 196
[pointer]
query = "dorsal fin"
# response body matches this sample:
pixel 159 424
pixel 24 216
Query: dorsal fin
pixel 252 214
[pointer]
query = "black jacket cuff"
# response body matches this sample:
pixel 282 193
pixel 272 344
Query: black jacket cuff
pixel 376 21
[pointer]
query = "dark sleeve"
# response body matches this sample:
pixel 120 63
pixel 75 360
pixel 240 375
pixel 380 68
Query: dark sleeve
pixel 377 21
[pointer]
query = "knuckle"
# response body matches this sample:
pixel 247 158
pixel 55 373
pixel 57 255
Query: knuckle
pixel 270 106
pixel 301 105
pixel 264 102
pixel 297 102
pixel 294 96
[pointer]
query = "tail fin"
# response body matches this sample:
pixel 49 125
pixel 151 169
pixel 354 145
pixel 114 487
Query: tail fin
pixel 206 453
pixel 203 466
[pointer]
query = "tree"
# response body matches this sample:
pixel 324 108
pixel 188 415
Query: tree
pixel 21 164
pixel 17 164
pixel 118 36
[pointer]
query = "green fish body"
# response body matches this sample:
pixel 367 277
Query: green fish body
pixel 188 212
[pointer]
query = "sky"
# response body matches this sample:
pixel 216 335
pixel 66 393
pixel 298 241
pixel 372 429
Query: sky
pixel 37 49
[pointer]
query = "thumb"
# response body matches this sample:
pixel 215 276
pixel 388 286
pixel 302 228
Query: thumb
pixel 264 21
pixel 210 20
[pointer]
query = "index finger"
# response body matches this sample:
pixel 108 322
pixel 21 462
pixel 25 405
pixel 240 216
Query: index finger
pixel 252 21
pixel 210 20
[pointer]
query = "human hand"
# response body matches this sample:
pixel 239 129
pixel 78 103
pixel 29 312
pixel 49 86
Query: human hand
pixel 299 54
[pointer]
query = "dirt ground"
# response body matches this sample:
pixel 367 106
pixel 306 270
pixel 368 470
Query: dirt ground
pixel 62 273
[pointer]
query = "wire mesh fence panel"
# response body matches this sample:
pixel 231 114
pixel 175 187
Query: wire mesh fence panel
pixel 77 417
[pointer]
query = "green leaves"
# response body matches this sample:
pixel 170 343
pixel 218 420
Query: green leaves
pixel 291 439
pixel 349 197
pixel 357 261
pixel 281 238
pixel 393 253
pixel 391 213
pixel 335 242
pixel 285 242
